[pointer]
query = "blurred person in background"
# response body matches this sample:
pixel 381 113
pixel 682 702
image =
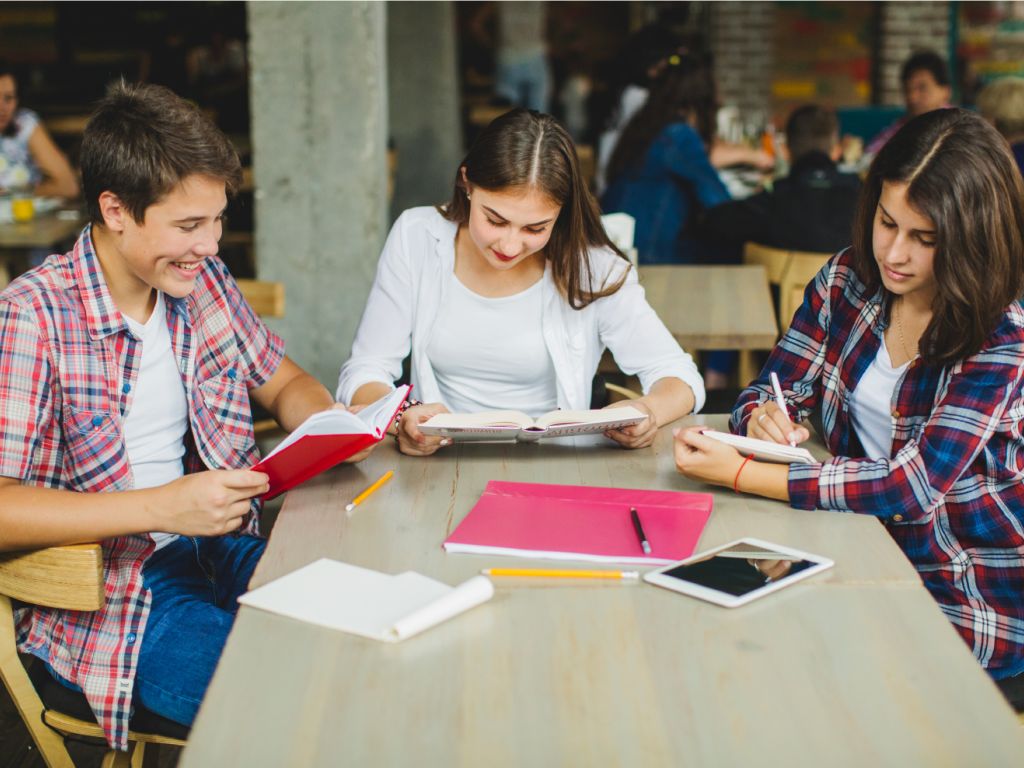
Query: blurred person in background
pixel 1002 104
pixel 659 172
pixel 812 209
pixel 29 159
pixel 925 80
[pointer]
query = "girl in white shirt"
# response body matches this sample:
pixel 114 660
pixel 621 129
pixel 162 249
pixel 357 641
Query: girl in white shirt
pixel 508 295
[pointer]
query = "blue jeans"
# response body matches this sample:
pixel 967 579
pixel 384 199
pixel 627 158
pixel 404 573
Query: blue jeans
pixel 195 584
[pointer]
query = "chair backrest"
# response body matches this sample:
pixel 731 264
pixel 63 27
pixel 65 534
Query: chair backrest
pixel 265 297
pixel 58 577
pixel 801 270
pixel 774 260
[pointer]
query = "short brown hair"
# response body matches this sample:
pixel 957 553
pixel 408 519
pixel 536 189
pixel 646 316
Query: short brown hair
pixel 811 129
pixel 144 140
pixel 523 149
pixel 960 174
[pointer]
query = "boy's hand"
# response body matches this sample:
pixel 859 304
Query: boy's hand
pixel 413 442
pixel 638 435
pixel 209 503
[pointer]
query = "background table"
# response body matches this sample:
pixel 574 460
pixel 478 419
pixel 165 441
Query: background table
pixel 715 307
pixel 854 667
pixel 46 230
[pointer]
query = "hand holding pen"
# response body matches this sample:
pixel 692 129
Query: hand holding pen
pixel 771 420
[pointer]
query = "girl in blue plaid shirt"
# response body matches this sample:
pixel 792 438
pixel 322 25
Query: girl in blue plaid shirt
pixel 910 345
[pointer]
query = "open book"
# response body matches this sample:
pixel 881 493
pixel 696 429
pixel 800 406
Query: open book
pixel 328 438
pixel 366 602
pixel 516 425
pixel 763 450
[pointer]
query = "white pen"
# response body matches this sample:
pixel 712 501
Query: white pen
pixel 780 400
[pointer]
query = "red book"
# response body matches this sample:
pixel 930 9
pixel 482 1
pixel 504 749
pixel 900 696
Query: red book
pixel 575 522
pixel 326 439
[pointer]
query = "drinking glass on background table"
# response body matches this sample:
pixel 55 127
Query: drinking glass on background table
pixel 22 208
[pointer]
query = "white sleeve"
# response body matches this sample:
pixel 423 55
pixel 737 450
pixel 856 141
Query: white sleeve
pixel 385 331
pixel 640 343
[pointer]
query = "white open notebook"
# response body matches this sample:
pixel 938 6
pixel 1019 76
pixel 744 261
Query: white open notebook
pixel 366 602
pixel 516 425
pixel 763 450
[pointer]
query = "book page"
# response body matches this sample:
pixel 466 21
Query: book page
pixel 497 419
pixel 602 416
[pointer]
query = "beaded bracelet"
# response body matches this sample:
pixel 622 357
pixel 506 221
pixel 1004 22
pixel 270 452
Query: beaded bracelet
pixel 405 406
pixel 736 480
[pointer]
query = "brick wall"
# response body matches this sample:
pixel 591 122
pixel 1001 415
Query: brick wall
pixel 742 39
pixel 907 28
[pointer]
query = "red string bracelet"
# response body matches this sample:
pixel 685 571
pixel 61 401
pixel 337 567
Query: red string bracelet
pixel 736 480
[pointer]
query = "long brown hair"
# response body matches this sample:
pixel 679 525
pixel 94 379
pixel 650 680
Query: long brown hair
pixel 960 174
pixel 525 149
pixel 685 92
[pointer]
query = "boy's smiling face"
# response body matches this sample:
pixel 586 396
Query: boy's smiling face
pixel 164 251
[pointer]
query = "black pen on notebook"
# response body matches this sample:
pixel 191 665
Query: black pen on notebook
pixel 639 528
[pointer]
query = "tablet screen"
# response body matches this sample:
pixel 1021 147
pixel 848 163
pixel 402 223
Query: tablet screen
pixel 740 569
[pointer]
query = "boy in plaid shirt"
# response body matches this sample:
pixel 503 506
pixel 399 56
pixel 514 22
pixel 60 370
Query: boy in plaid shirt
pixel 127 371
pixel 911 345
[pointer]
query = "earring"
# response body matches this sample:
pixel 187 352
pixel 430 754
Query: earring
pixel 469 196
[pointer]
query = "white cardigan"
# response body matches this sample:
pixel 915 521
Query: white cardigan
pixel 410 287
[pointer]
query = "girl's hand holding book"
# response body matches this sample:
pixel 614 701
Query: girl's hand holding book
pixel 637 435
pixel 411 441
pixel 702 458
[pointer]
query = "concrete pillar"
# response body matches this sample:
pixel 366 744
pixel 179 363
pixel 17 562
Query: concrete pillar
pixel 423 101
pixel 319 127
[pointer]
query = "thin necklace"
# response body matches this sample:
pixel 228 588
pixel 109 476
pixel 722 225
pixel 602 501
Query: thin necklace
pixel 899 328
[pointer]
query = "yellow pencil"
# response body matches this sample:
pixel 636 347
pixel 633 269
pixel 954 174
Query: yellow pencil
pixel 362 496
pixel 552 573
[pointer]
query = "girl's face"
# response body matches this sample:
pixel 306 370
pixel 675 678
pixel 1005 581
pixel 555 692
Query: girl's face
pixel 8 101
pixel 507 227
pixel 904 244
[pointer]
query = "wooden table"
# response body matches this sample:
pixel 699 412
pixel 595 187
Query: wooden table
pixel 854 667
pixel 47 230
pixel 714 307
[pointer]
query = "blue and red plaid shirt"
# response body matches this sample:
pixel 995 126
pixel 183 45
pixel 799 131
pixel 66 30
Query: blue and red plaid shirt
pixel 951 492
pixel 68 369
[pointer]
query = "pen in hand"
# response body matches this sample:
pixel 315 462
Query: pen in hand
pixel 639 528
pixel 780 400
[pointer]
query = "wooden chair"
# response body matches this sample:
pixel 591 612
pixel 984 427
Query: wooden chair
pixel 267 300
pixel 788 274
pixel 70 578
pixel 801 270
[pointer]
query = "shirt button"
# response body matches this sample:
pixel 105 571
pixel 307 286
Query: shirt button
pixel 232 374
pixel 97 421
pixel 895 414
pixel 130 638
pixel 126 388
pixel 897 518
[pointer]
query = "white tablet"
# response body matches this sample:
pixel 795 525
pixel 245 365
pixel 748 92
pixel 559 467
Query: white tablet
pixel 739 572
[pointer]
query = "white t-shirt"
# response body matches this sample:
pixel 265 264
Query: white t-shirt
pixel 154 427
pixel 871 404
pixel 489 353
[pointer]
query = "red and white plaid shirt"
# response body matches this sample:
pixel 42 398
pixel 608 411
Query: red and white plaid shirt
pixel 68 370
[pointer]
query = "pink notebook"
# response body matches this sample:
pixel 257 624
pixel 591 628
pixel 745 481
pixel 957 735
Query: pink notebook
pixel 574 522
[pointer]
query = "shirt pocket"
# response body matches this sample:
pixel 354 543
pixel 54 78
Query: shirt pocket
pixel 225 400
pixel 95 458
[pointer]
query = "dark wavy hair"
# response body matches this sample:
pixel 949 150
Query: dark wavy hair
pixel 960 174
pixel 524 149
pixel 685 92
pixel 144 140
